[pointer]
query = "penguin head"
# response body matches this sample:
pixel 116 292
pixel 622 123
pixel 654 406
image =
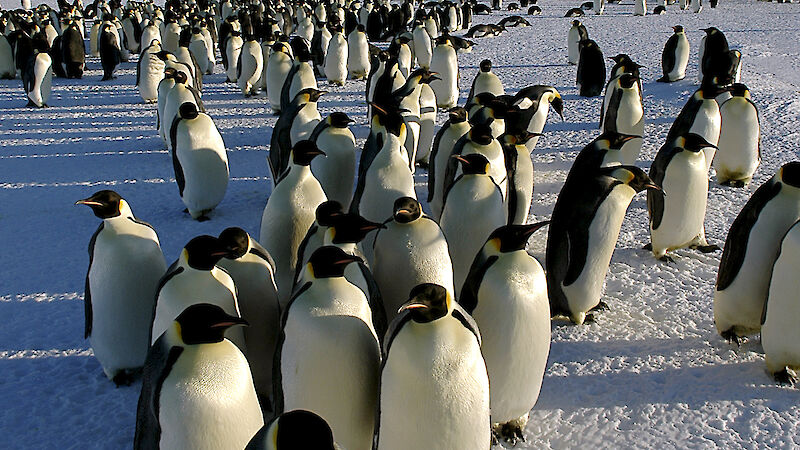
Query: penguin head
pixel 519 138
pixel 789 174
pixel 390 119
pixel 180 77
pixel 203 252
pixel 613 140
pixel 481 134
pixel 557 103
pixel 711 30
pixel 486 66
pixel 739 90
pixel 304 152
pixel 339 120
pixel 425 76
pixel 627 80
pixel 510 238
pixel 204 323
pixel 326 211
pixel 311 94
pixel 576 23
pixel 164 56
pixel 350 228
pixel 301 426
pixel 473 164
pixel 694 142
pixel 188 110
pixel 105 204
pixel 482 99
pixel 427 302
pixel 633 177
pixel 236 242
pixel 360 28
pixel 329 262
pixel 280 47
pixel 457 115
pixel 678 29
pixel 406 210
pixel 709 89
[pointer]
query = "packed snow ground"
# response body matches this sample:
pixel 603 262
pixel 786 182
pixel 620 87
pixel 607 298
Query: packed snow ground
pixel 652 372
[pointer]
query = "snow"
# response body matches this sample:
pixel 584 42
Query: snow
pixel 652 372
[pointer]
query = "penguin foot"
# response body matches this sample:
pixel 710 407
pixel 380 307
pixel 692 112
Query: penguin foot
pixel 666 259
pixel 706 248
pixel 202 218
pixel 731 337
pixel 186 210
pixel 648 247
pixel 126 377
pixel 510 432
pixel 785 377
pixel 733 183
pixel 589 319
pixel 602 306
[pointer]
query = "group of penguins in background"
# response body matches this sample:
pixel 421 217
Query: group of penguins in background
pixel 372 323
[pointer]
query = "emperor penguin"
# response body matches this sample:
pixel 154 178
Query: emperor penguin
pixel 410 250
pixel 598 6
pixel 336 58
pixel 473 207
pixel 149 72
pixel 324 216
pixel 180 93
pixel 606 150
pixel 336 172
pixel 73 55
pixel 739 139
pixel 752 245
pixel 278 67
pixel 200 51
pixel 296 122
pixel 197 390
pixel 249 67
pixel 94 38
pixel 150 33
pixel 233 49
pixel 300 77
pixel 675 56
pixel 583 233
pixel 357 54
pixel 591 73
pixel 185 56
pixel 328 359
pixel 456 127
pixel 427 123
pixel 480 140
pixel 405 55
pixel 713 44
pixel 433 377
pixel 195 278
pixel 519 170
pixel 37 78
pixel 534 103
pixel 423 47
pixel 677 215
pixel 164 87
pixel 778 331
pixel 199 159
pixel 444 62
pixel 8 70
pixel 289 213
pixel 506 285
pixel 286 430
pixel 253 272
pixel 697 6
pixel 408 97
pixel 485 81
pixel 576 34
pixel 319 46
pixel 171 35
pixel 700 115
pixel 623 113
pixel 125 265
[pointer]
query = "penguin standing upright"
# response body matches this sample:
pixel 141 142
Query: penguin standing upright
pixel 357 54
pixel 700 116
pixel 411 250
pixel 149 72
pixel 197 390
pixel 433 378
pixel 253 273
pixel 506 293
pixel 319 46
pixel 200 51
pixel 37 78
pixel 751 247
pixel 427 123
pixel 583 234
pixel 328 358
pixel 125 265
pixel 289 213
pixel 640 8
pixel 8 70
pixel 249 67
pixel 179 94
pixel 591 75
pixel 336 58
pixel 676 219
pixel 739 139
pixel 199 160
pixel 444 62
pixel 324 216
pixel 485 81
pixel 233 48
pixel 423 48
pixel 576 34
pixel 278 67
pixel 473 208
pixel 534 104
pixel 109 48
pixel 164 87
pixel 623 113
pixel 300 77
pixel 675 56
pixel 336 172
pixel 73 56
pixel 456 127
pixel 519 170
pixel 296 122
pixel 713 44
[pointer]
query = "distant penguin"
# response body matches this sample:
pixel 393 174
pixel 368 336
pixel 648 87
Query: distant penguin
pixel 700 115
pixel 199 48
pixel 583 234
pixel 319 46
pixel 752 245
pixel 300 77
pixel 328 358
pixel 164 87
pixel 72 52
pixel 233 49
pixel 37 79
pixel 598 6
pixel 194 278
pixel 335 172
pixel 8 69
pixel 473 208
pixel 444 63
pixel 675 56
pixel 411 250
pixel 249 67
pixel 519 170
pixel 253 273
pixel 739 139
pixel 534 104
pixel 289 213
pixel 640 8
pixel 199 159
pixel 149 72
pixel 623 113
pixel 697 6
pixel 286 430
pixel 433 378
pixel 676 217
pixel 278 67
pixel 713 44
pixel 296 122
pixel 357 54
pixel 179 94
pixel 591 69
pixel 779 334
pixel 485 81
pixel 423 48
pixel 197 390
pixel 336 58
pixel 94 38
pixel 534 10
pixel 427 123
pixel 125 265
pixel 506 293
pixel 659 10
pixel 456 127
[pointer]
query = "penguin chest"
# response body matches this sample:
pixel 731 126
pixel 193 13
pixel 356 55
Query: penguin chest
pixel 304 123
pixel 153 71
pixel 201 153
pixel 488 82
pixel 513 315
pixel 208 400
pixel 779 333
pixel 434 382
pixel 739 137
pixel 707 121
pixel 630 115
pixel 686 187
pixel 601 239
pixel 497 165
pixel 387 179
pixel 681 59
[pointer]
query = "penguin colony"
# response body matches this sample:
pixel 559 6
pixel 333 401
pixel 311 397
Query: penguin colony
pixel 356 314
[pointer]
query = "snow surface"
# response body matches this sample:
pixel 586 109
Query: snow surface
pixel 652 372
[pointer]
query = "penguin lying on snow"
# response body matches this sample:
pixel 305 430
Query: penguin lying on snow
pixel 513 21
pixel 479 31
pixel 574 12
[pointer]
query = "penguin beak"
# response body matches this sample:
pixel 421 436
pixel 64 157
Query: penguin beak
pixel 411 305
pixel 655 187
pixel 231 321
pixel 533 227
pixel 349 259
pixel 460 158
pixel 403 211
pixel 372 226
pixel 88 202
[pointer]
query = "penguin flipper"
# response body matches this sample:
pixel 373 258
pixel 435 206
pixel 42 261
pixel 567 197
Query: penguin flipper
pixel 375 301
pixel 197 99
pixel 176 163
pixel 668 56
pixel 160 360
pixel 87 296
pixel 437 140
pixel 172 271
pixel 512 197
pixel 371 148
pixel 452 165
pixel 468 296
pixel 301 250
pixel 466 320
pixel 321 126
pixel 287 86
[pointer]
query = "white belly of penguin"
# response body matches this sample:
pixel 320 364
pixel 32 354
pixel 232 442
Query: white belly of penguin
pixel 202 156
pixel 303 124
pixel 208 401
pixel 152 72
pixel 737 157
pixel 780 334
pixel 536 125
pixel 585 293
pixel 681 60
pixel 388 178
pixel 497 163
pixel 686 188
pixel 707 124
